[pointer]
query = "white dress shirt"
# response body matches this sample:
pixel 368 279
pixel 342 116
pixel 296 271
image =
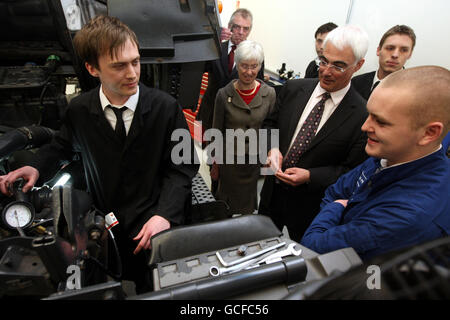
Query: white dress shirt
pixel 330 106
pixel 127 115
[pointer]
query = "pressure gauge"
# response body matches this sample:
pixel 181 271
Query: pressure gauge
pixel 18 214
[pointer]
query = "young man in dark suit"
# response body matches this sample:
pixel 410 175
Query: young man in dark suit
pixel 312 71
pixel 223 70
pixel 314 152
pixel 122 132
pixel 395 48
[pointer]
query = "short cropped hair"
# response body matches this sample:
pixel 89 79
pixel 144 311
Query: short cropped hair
pixel 244 13
pixel 399 29
pixel 351 36
pixel 102 35
pixel 249 50
pixel 429 88
pixel 325 28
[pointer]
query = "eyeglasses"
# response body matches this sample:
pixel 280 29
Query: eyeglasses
pixel 247 67
pixel 322 62
pixel 237 27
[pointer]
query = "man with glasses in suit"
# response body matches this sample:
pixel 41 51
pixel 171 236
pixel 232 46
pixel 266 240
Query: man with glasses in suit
pixel 320 137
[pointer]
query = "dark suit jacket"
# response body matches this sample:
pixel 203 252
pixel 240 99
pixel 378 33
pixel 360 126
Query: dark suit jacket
pixel 337 147
pixel 363 84
pixel 218 77
pixel 138 181
pixel 312 71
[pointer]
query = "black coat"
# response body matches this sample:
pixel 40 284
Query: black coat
pixel 363 84
pixel 139 181
pixel 337 148
pixel 312 71
pixel 218 77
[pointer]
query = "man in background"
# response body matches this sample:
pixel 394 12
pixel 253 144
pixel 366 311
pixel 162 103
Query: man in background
pixel 395 48
pixel 312 71
pixel 223 70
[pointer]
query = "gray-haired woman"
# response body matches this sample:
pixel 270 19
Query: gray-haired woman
pixel 242 104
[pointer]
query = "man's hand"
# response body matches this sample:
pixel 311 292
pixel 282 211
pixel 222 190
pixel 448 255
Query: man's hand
pixel 29 174
pixel 153 226
pixel 274 160
pixel 294 176
pixel 225 34
pixel 342 201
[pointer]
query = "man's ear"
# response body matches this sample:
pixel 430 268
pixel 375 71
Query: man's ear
pixel 410 55
pixel 359 64
pixel 378 51
pixel 433 132
pixel 91 69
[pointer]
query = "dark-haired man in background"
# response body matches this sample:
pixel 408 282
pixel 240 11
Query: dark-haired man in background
pixel 312 71
pixel 395 48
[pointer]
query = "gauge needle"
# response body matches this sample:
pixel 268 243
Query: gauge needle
pixel 18 224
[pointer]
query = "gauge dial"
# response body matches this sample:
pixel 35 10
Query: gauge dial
pixel 18 214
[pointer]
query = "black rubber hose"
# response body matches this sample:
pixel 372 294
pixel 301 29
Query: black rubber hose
pixel 289 271
pixel 24 138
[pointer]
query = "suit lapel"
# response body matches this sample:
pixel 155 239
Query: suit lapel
pixel 224 58
pixel 368 84
pixel 257 100
pixel 135 128
pixel 138 118
pixel 337 119
pixel 102 124
pixel 298 105
pixel 236 99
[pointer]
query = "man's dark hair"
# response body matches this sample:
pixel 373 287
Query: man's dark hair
pixel 101 35
pixel 399 29
pixel 325 28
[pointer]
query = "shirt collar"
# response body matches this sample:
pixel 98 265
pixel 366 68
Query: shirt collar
pixel 383 162
pixel 230 44
pixel 130 104
pixel 336 96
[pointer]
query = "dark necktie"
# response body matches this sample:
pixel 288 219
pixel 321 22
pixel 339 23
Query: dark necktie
pixel 306 133
pixel 374 86
pixel 120 126
pixel 231 58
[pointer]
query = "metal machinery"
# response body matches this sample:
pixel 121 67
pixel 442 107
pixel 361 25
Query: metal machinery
pixel 48 230
pixel 54 243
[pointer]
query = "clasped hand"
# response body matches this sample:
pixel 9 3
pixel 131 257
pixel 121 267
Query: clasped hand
pixel 291 176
